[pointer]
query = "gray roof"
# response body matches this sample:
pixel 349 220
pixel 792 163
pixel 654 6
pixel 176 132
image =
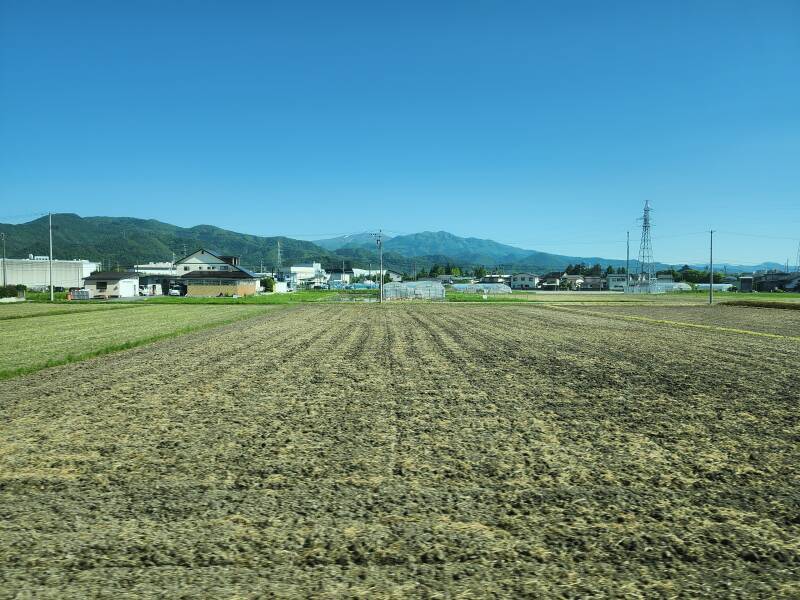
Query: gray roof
pixel 110 276
pixel 236 274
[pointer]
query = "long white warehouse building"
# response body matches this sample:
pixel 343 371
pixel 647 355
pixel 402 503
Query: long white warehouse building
pixel 35 273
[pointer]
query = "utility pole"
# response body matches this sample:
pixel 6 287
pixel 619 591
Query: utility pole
pixel 628 262
pixel 711 268
pixel 5 279
pixel 379 241
pixel 50 215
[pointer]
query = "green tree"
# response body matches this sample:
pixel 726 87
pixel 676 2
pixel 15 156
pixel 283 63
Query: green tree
pixel 455 272
pixel 480 271
pixel 268 283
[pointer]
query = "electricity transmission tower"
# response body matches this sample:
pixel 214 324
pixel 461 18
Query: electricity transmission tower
pixel 796 264
pixel 647 270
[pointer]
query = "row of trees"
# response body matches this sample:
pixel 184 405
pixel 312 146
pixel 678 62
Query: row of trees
pixel 596 270
pixel 689 275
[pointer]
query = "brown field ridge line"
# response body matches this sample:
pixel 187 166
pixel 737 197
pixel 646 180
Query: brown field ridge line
pixel 678 323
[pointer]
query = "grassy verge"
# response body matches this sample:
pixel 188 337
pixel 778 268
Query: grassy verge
pixel 25 310
pixel 52 340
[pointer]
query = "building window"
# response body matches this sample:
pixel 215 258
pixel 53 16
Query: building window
pixel 102 286
pixel 185 268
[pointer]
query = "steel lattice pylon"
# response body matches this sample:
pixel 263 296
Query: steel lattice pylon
pixel 647 270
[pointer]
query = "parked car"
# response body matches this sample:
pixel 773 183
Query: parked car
pixel 174 291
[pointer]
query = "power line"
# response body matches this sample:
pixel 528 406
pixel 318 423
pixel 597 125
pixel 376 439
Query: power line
pixel 756 235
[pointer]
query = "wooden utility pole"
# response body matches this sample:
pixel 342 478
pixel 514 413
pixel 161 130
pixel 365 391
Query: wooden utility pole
pixel 50 215
pixel 628 262
pixel 711 268
pixel 379 241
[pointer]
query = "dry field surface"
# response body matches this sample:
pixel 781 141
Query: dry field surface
pixel 438 450
pixel 32 343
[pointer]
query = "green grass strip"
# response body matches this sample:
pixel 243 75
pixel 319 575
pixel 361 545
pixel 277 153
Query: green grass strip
pixel 675 323
pixel 63 311
pixel 73 358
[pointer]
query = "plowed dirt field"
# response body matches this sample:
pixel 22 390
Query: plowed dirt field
pixel 406 450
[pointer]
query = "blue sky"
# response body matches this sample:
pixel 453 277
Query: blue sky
pixel 544 125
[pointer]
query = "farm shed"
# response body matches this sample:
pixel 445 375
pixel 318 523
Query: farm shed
pixel 110 284
pixel 411 290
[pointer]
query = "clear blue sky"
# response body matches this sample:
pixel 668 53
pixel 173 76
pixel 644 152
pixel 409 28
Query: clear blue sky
pixel 544 125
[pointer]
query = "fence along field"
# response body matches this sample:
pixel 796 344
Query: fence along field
pixel 42 340
pixel 449 449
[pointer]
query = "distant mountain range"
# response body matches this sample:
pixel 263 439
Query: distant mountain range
pixel 124 241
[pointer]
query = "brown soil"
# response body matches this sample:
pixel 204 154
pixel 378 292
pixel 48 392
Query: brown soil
pixel 410 450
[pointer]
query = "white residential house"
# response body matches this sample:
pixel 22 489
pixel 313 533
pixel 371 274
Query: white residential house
pixel 524 281
pixel 309 275
pixel 204 273
pixel 373 274
pixel 593 282
pixel 205 260
pixel 552 281
pixel 110 284
pixel 573 282
pixel 344 277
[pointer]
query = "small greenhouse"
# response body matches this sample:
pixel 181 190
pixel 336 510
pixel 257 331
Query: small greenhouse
pixel 482 288
pixel 413 290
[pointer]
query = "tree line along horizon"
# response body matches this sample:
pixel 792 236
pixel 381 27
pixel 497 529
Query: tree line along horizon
pixel 684 274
